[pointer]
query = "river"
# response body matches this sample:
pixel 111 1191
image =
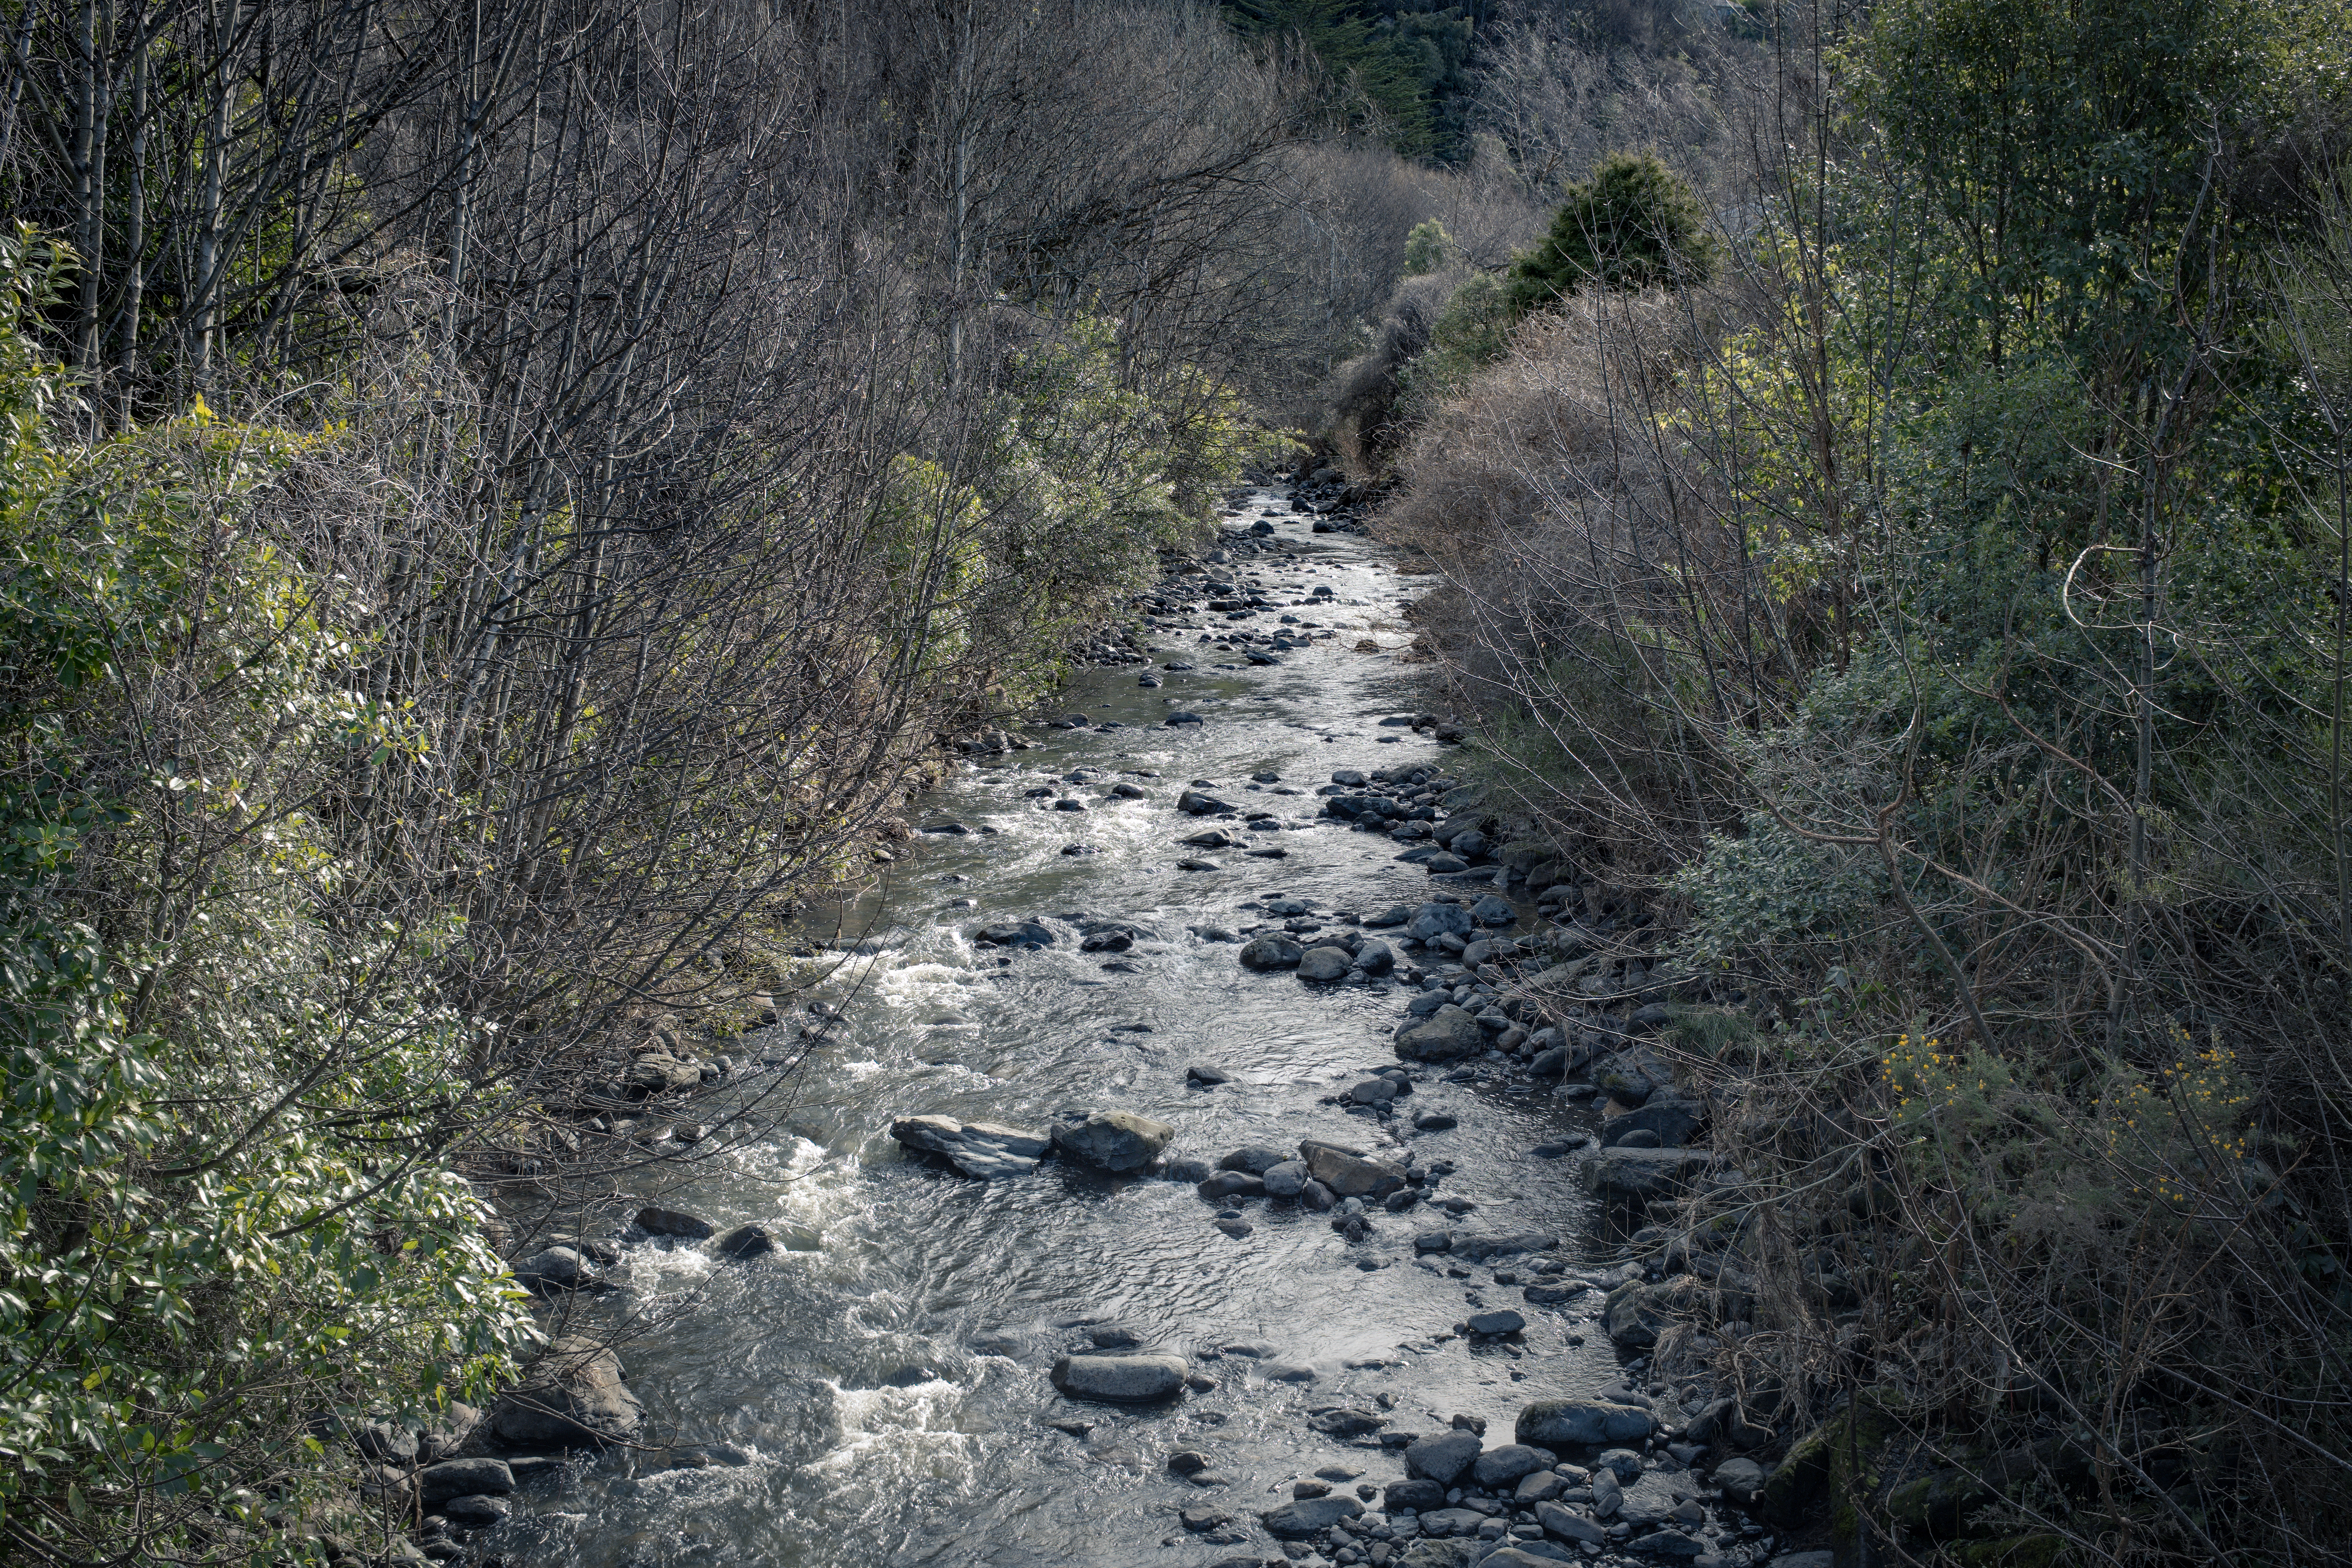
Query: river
pixel 885 1400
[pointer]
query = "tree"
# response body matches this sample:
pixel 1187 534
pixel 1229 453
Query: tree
pixel 1634 225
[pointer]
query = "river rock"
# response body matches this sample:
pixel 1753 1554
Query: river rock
pixel 1325 964
pixel 981 1148
pixel 1525 1555
pixel 1502 1321
pixel 1287 1180
pixel 476 1511
pixel 572 1394
pixel 1114 1141
pixel 657 1221
pixel 1257 1159
pixel 1231 1184
pixel 1443 1458
pixel 658 1072
pixel 1317 1197
pixel 1394 915
pixel 1308 1517
pixel 1741 1480
pixel 555 1268
pixel 1120 1379
pixel 1582 1423
pixel 1494 911
pixel 1670 1120
pixel 1373 1091
pixel 1447 1034
pixel 1376 958
pixel 1625 1080
pixel 1270 952
pixel 1014 933
pixel 1434 919
pixel 1623 1173
pixel 464 1477
pixel 1557 1521
pixel 1503 1467
pixel 1418 1495
pixel 1347 1174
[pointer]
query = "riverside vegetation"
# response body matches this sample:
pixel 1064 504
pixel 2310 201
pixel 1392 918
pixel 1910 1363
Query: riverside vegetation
pixel 1930 609
pixel 505 504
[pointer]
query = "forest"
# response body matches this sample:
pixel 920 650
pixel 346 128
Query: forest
pixel 504 503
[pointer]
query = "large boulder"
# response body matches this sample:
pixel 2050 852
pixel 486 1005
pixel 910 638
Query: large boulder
pixel 1325 964
pixel 1120 1379
pixel 1308 1516
pixel 1347 1173
pixel 1582 1423
pixel 1443 1458
pixel 1642 1172
pixel 657 1221
pixel 1257 1159
pixel 1270 952
pixel 1112 1140
pixel 981 1148
pixel 1376 958
pixel 1434 919
pixel 556 1268
pixel 1447 1034
pixel 572 1394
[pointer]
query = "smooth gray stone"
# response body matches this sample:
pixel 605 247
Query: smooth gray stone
pixel 1115 1140
pixel 1582 1423
pixel 981 1148
pixel 1443 1458
pixel 1120 1379
pixel 1308 1517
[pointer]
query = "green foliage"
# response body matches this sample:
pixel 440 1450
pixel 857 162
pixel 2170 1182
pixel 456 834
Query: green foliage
pixel 178 1293
pixel 1379 73
pixel 1429 249
pixel 1634 225
pixel 1471 332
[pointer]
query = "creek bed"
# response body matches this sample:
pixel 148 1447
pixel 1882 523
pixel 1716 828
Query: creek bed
pixel 885 1400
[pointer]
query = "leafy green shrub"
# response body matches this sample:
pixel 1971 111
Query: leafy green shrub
pixel 1634 225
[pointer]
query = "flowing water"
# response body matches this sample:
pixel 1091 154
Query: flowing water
pixel 888 1393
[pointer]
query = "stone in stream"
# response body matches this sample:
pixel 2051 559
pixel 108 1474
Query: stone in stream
pixel 1494 911
pixel 1503 1320
pixel 981 1148
pixel 1435 1121
pixel 1557 1521
pixel 1257 1159
pixel 1419 1496
pixel 1345 1421
pixel 1317 1197
pixel 476 1512
pixel 1203 1074
pixel 1113 940
pixel 1014 933
pixel 1325 964
pixel 1270 952
pixel 1376 958
pixel 1287 1179
pixel 464 1477
pixel 1308 1517
pixel 556 1268
pixel 1394 915
pixel 572 1394
pixel 1175 718
pixel 1232 1184
pixel 1215 838
pixel 1186 1169
pixel 1448 1033
pixel 1116 1140
pixel 1623 1173
pixel 1669 1120
pixel 1120 1379
pixel 1195 863
pixel 1741 1480
pixel 1192 802
pixel 1443 1458
pixel 1434 919
pixel 1349 1173
pixel 1582 1423
pixel 1373 1091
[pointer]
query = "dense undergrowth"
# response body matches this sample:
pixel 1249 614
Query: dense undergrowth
pixel 1938 620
